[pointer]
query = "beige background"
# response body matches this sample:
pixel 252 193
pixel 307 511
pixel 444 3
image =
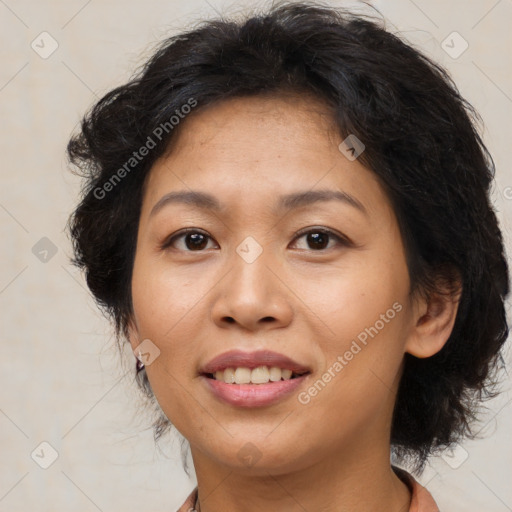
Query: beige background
pixel 61 382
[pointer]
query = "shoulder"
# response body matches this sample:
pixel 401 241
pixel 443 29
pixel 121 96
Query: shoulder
pixel 421 499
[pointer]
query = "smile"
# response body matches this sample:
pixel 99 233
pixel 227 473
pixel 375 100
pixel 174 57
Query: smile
pixel 259 375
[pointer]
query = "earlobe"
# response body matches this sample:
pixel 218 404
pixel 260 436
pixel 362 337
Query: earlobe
pixel 133 333
pixel 434 320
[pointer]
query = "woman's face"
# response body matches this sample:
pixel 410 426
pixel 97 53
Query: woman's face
pixel 258 273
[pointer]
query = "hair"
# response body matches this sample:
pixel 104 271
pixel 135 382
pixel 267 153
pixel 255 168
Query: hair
pixel 420 139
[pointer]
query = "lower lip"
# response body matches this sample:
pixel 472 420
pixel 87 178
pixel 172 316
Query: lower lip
pixel 253 395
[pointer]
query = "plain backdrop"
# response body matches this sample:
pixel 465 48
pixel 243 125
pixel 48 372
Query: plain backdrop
pixel 61 380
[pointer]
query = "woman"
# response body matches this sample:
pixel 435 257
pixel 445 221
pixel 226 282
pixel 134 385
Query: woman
pixel 288 219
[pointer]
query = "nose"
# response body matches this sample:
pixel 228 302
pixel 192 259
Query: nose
pixel 252 296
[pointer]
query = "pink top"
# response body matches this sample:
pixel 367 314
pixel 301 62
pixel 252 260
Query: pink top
pixel 421 500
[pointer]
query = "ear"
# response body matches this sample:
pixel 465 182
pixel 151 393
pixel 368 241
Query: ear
pixel 434 318
pixel 133 333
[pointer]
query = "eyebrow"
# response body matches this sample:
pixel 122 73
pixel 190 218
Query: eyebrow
pixel 284 204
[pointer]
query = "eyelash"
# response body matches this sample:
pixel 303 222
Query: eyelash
pixel 341 240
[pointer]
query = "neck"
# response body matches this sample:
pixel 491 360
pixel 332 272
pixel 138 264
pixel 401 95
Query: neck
pixel 340 483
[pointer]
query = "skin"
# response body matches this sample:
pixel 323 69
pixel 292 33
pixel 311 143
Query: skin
pixel 309 303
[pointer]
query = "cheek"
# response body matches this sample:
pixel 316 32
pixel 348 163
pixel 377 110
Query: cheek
pixel 164 299
pixel 168 311
pixel 359 295
pixel 165 314
pixel 365 308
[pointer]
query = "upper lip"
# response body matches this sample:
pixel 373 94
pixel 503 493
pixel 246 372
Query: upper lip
pixel 238 359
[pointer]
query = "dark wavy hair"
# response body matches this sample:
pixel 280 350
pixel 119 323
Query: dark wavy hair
pixel 421 142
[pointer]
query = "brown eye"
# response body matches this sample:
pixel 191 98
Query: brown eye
pixel 195 241
pixel 318 239
pixel 191 240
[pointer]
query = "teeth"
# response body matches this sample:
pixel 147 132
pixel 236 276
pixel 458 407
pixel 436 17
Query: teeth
pixel 286 374
pixel 275 373
pixel 228 375
pixel 242 375
pixel 259 375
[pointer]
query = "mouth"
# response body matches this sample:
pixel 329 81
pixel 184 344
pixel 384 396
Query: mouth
pixel 260 367
pixel 253 379
pixel 250 394
pixel 258 375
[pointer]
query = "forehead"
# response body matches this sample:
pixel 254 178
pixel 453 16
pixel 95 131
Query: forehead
pixel 253 147
pixel 268 125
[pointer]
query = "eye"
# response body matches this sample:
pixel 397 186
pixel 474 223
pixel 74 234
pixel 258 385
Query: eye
pixel 193 239
pixel 319 238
